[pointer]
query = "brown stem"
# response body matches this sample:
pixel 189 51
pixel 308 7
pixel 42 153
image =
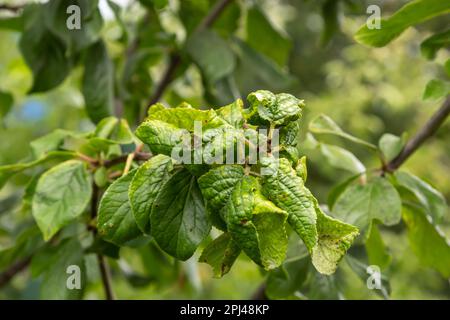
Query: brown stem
pixel 175 57
pixel 102 264
pixel 123 158
pixel 428 130
pixel 14 269
pixel 260 293
pixel 213 15
pixel 106 277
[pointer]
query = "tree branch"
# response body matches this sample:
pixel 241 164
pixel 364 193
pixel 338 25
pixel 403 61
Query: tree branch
pixel 13 270
pixel 175 57
pixel 428 130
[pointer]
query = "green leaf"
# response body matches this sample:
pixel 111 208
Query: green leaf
pixel 184 117
pixel 390 146
pixel 114 130
pixel 376 250
pixel 432 44
pixel 98 82
pixel 410 14
pixel 275 108
pixel 428 243
pixel 431 199
pixel 43 51
pixel 361 270
pixel 116 222
pixel 145 186
pixel 6 103
pixel 287 191
pixel 218 183
pixel 12 23
pixel 178 219
pixel 256 224
pixel 360 204
pixel 27 242
pixel 341 158
pixel 264 38
pixel 255 71
pixel 284 281
pixel 8 171
pixel 233 114
pixel 330 14
pixel 55 277
pixel 161 137
pixel 50 142
pixel 91 22
pixel 220 254
pixel 212 54
pixel 301 168
pixel 62 194
pixel 337 190
pixel 323 124
pixel 436 89
pixel 335 238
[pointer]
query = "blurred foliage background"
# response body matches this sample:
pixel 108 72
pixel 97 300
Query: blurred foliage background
pixel 302 47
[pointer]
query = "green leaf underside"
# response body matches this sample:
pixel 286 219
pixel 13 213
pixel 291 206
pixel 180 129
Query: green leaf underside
pixel 428 242
pixel 410 14
pixel 212 55
pixel 145 186
pixel 390 146
pixel 431 199
pixel 116 222
pixel 376 250
pixel 323 124
pixel 360 204
pixel 55 277
pixel 61 196
pixel 221 254
pixel 256 224
pixel 178 218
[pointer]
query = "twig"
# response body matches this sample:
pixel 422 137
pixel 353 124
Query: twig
pixel 213 15
pixel 428 130
pixel 14 269
pixel 139 156
pixel 175 57
pixel 103 266
pixel 166 78
pixel 260 293
pixel 106 277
